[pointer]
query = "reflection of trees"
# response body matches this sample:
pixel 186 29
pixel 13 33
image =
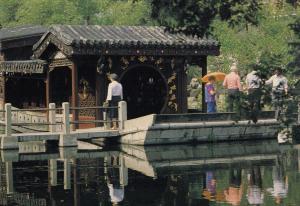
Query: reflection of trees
pixel 176 191
pixel 184 190
pixel 142 190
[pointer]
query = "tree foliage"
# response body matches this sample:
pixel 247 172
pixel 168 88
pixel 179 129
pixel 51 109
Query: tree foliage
pixel 295 47
pixel 118 12
pixel 196 16
pixel 8 9
pixel 246 29
pixel 47 12
pixel 266 43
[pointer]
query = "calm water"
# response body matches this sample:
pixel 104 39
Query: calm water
pixel 246 173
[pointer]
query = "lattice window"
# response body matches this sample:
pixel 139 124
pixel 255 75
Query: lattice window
pixel 89 101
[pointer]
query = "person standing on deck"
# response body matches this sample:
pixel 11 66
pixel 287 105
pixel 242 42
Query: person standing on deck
pixel 210 95
pixel 114 95
pixel 279 89
pixel 253 86
pixel 232 83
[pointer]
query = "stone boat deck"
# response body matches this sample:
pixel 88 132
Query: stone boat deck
pixel 161 129
pixel 183 128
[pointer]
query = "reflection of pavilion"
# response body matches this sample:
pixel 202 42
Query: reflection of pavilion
pixel 75 176
pixel 51 178
pixel 183 168
pixel 155 161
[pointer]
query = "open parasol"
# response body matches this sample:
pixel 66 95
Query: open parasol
pixel 220 76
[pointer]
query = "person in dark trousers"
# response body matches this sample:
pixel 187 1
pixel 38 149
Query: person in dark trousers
pixel 253 84
pixel 232 83
pixel 279 89
pixel 210 95
pixel 114 95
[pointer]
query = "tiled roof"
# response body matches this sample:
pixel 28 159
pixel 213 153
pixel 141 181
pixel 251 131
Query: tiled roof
pixel 25 67
pixel 123 37
pixel 21 32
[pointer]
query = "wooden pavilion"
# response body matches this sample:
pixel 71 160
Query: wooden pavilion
pixel 74 62
pixel 21 79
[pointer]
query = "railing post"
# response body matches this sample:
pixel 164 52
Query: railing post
pixel 122 112
pixel 67 174
pixel 9 178
pixel 66 118
pixel 105 118
pixel 53 172
pixel 8 120
pixel 52 117
pixel 8 141
pixel 123 172
pixel 299 113
pixel 66 138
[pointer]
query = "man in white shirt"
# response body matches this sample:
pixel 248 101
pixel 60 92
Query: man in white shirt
pixel 279 89
pixel 114 95
pixel 253 84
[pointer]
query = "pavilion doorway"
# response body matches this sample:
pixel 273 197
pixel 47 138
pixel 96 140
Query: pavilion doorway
pixel 145 90
pixel 61 85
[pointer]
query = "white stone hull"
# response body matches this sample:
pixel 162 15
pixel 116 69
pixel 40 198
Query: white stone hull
pixel 173 133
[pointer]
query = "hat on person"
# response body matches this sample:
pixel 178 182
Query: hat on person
pixel 113 76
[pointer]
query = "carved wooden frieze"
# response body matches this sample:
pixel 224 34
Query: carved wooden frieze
pixel 60 63
pixel 51 39
pixel 126 61
pixel 172 103
pixel 58 55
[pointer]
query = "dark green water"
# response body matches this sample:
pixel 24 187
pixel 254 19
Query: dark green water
pixel 246 173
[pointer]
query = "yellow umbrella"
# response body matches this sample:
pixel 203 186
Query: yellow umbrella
pixel 220 76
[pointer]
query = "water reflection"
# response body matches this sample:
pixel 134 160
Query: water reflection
pixel 233 194
pixel 255 195
pixel 280 182
pixel 231 174
pixel 116 178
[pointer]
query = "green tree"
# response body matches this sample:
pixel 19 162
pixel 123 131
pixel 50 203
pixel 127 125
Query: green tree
pixel 45 12
pixel 118 12
pixel 269 40
pixel 295 47
pixel 88 10
pixel 196 16
pixel 8 9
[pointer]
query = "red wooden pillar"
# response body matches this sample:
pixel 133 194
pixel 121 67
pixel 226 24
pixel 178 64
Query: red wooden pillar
pixel 2 85
pixel 181 86
pixel 48 88
pixel 75 99
pixel 2 91
pixel 100 94
pixel 184 90
pixel 203 65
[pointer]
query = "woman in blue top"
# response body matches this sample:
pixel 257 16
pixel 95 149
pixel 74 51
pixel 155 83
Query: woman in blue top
pixel 210 95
